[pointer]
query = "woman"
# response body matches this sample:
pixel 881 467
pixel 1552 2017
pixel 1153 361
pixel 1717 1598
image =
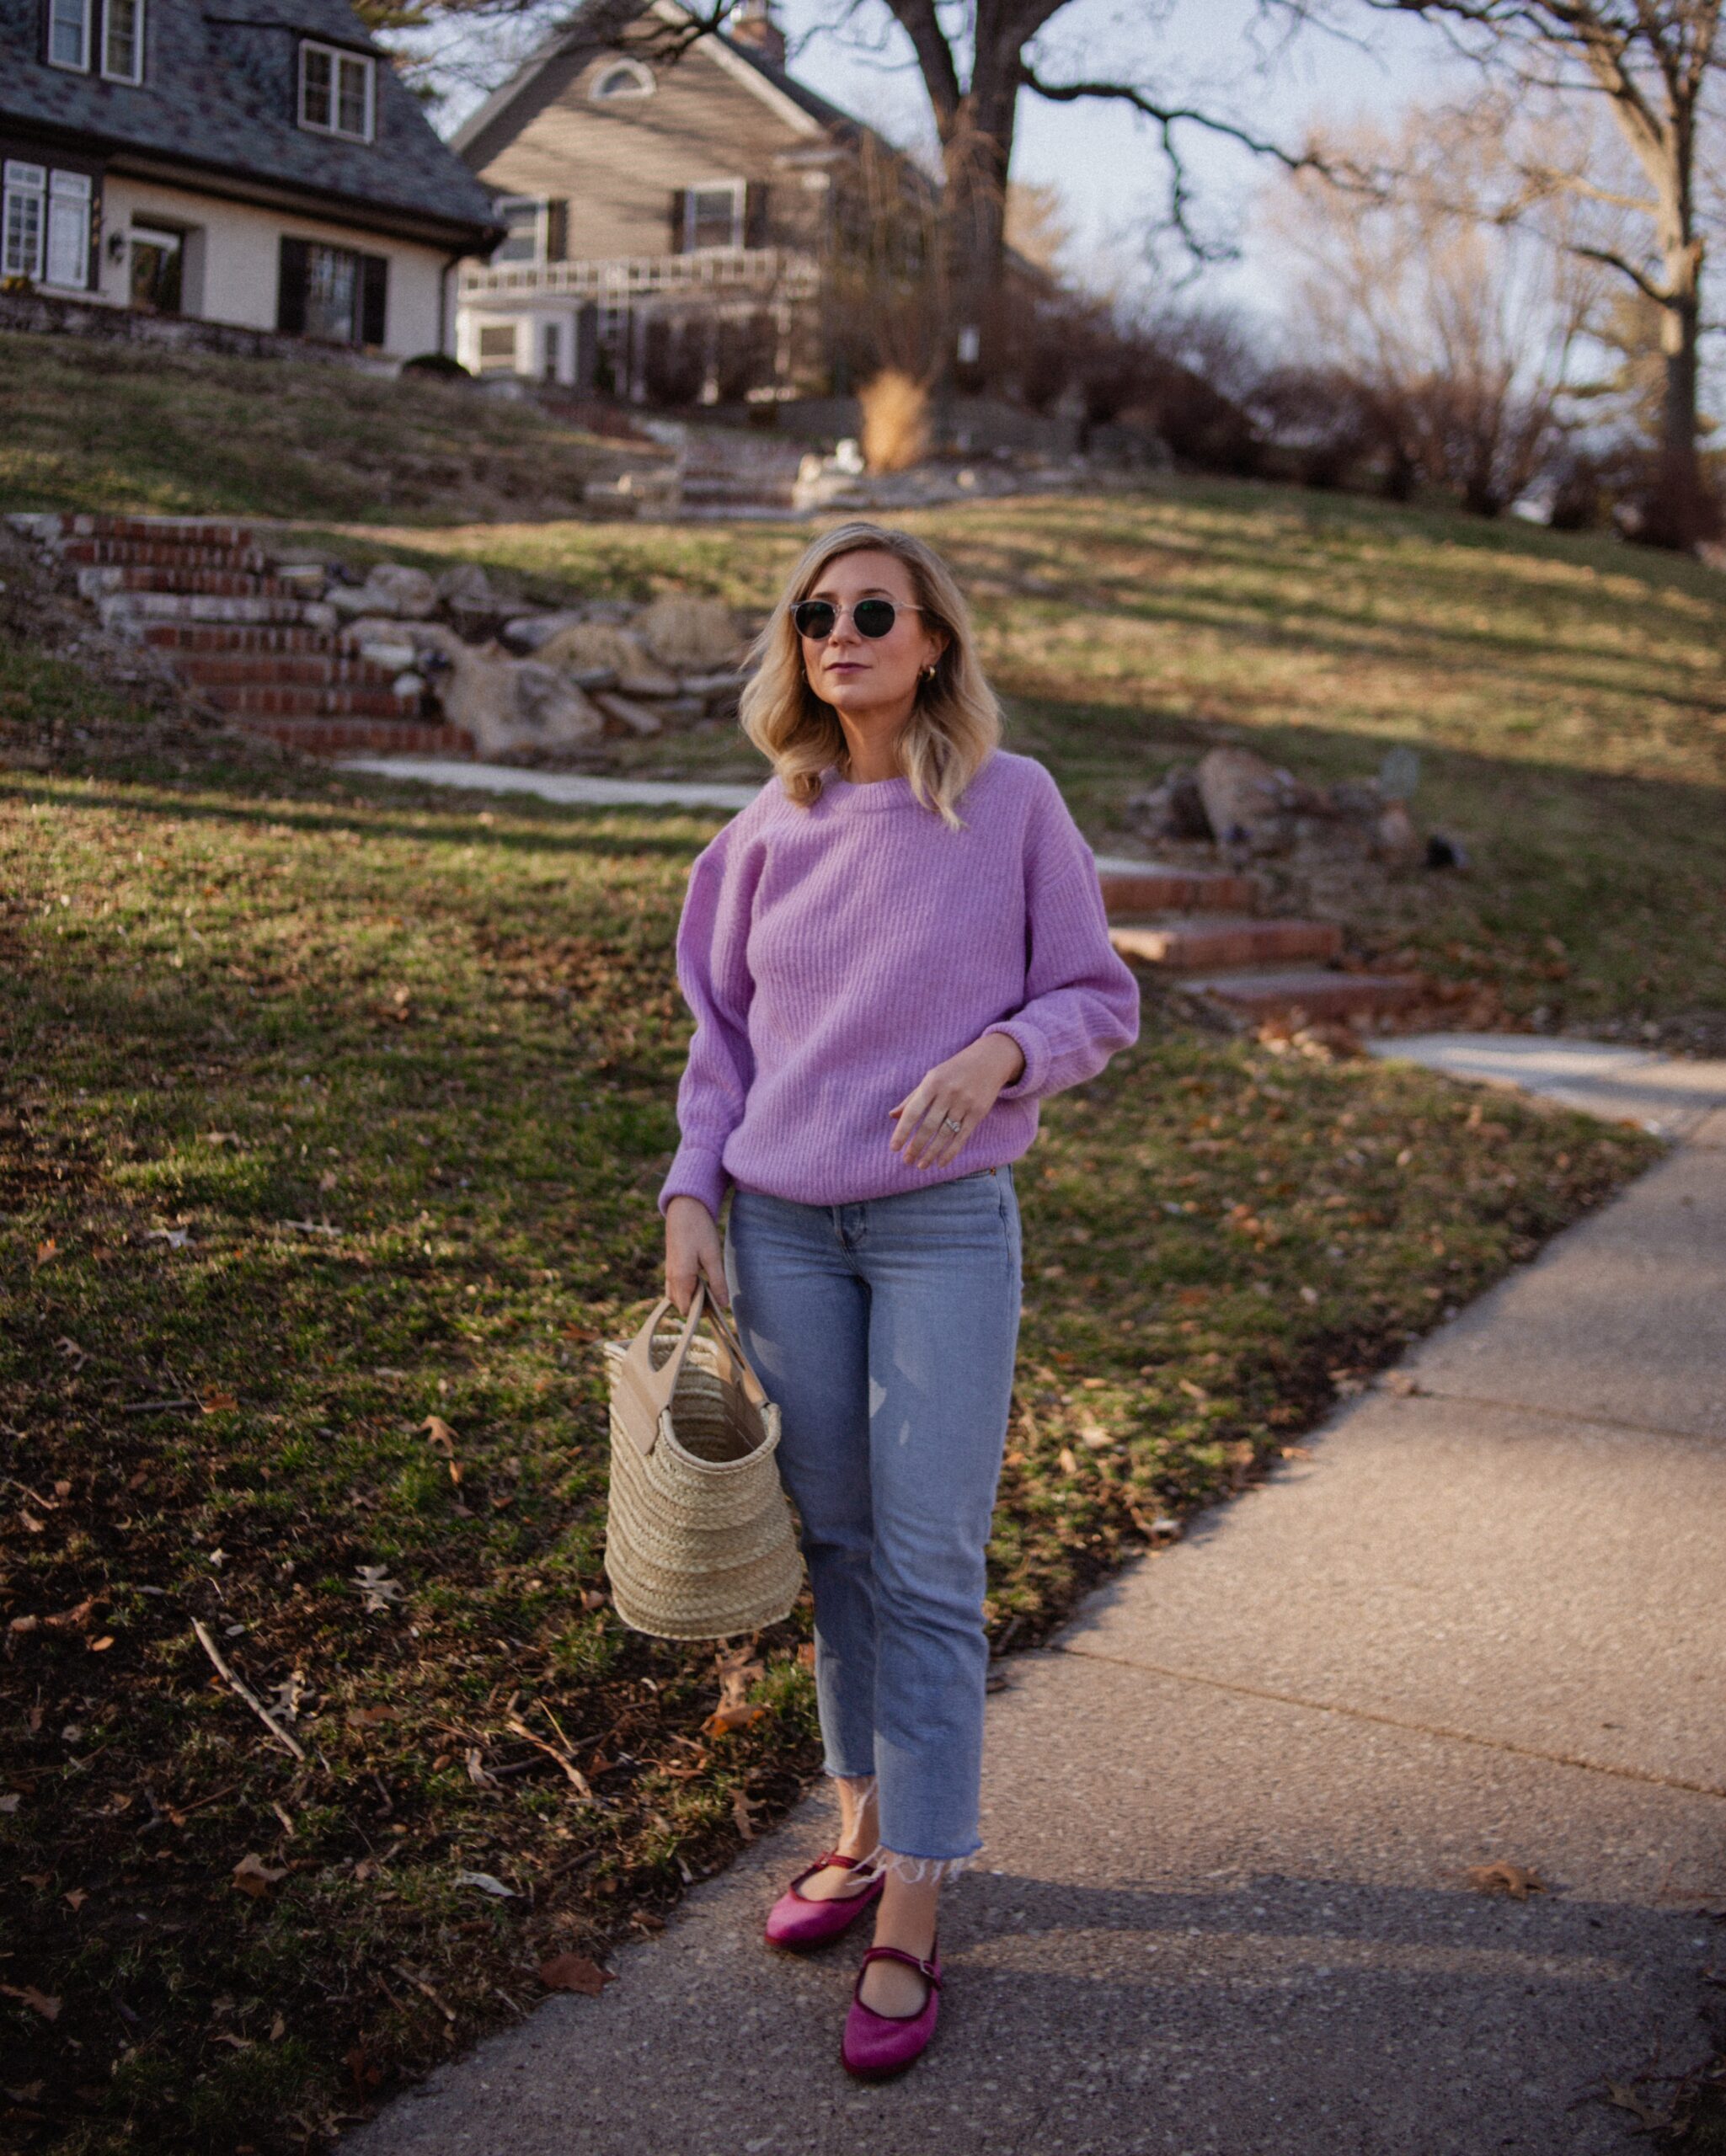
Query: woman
pixel 884 989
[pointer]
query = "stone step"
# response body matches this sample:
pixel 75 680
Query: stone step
pixel 1129 892
pixel 307 669
pixel 1319 992
pixel 350 737
pixel 234 637
pixel 220 583
pixel 163 554
pixel 255 699
pixel 1210 941
pixel 126 610
pixel 191 530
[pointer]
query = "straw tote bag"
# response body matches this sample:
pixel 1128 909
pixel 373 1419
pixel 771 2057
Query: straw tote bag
pixel 699 1538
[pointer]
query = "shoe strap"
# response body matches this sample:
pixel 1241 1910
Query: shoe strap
pixel 899 1953
pixel 821 1864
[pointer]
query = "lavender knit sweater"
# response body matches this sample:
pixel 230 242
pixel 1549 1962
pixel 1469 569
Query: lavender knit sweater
pixel 831 955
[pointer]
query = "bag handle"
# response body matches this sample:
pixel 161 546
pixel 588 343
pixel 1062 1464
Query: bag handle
pixel 654 1388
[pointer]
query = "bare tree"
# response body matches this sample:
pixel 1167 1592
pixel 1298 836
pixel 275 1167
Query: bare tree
pixel 1650 65
pixel 1449 335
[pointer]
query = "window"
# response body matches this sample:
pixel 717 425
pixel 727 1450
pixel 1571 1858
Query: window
pixel 68 230
pixel 713 216
pixel 497 348
pixel 622 79
pixel 69 33
pixel 123 40
pixel 332 293
pixel 23 218
pixel 523 220
pixel 336 92
pixel 550 348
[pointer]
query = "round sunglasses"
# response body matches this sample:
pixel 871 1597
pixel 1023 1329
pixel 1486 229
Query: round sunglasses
pixel 816 618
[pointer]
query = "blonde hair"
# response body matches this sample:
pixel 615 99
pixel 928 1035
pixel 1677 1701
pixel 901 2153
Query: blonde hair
pixel 953 727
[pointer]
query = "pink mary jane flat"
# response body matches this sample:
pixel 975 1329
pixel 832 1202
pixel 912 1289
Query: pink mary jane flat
pixel 878 2045
pixel 796 1922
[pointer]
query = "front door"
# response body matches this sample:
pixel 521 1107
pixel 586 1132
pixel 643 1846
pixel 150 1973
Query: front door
pixel 158 270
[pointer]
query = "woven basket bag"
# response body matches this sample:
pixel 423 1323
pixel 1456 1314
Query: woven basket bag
pixel 700 1542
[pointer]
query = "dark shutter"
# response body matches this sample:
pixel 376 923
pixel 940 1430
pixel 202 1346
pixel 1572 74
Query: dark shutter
pixel 374 299
pixel 557 229
pixel 290 284
pixel 755 213
pixel 680 220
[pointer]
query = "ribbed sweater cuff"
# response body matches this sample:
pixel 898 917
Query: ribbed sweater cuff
pixel 1035 1051
pixel 696 1171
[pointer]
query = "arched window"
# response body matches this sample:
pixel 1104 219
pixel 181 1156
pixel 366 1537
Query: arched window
pixel 620 79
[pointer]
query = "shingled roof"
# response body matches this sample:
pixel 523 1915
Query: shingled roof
pixel 220 91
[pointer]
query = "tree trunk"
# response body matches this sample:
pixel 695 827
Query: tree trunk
pixel 1681 511
pixel 976 155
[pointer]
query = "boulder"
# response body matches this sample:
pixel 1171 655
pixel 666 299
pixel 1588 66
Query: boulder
pixel 382 642
pixel 593 647
pixel 626 715
pixel 1245 801
pixel 391 588
pixel 1175 809
pixel 506 704
pixel 469 597
pixel 528 632
pixel 690 635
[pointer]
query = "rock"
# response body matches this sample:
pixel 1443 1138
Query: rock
pixel 689 634
pixel 391 588
pixel 725 683
pixel 590 646
pixel 1394 837
pixel 408 684
pixel 528 632
pixel 469 597
pixel 1175 809
pixel 628 717
pixel 506 704
pixel 1245 801
pixel 381 642
pixel 1442 851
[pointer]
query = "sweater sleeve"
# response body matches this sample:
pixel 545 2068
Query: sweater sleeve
pixel 1081 1001
pixel 713 974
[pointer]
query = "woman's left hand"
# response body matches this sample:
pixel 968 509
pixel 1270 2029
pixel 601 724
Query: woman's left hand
pixel 963 1089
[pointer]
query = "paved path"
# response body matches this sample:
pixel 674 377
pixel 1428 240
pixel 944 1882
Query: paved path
pixel 1228 1813
pixel 572 789
pixel 1668 1095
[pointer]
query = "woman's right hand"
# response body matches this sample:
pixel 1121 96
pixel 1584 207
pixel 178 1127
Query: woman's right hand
pixel 693 1251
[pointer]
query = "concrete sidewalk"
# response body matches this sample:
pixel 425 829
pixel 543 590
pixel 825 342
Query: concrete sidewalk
pixel 1229 1813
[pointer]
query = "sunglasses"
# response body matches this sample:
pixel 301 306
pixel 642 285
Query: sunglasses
pixel 816 618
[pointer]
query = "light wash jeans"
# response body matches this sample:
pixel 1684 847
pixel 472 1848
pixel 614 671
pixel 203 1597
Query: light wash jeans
pixel 887 1331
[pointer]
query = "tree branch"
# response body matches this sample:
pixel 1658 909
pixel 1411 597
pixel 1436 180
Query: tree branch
pixel 1169 116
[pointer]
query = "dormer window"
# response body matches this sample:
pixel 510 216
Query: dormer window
pixel 622 80
pixel 338 92
pixel 105 35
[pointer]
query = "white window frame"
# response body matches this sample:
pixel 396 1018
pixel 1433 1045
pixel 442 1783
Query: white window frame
pixel 339 56
pixel 484 362
pixel 737 189
pixel 542 209
pixel 640 79
pixel 20 183
pixel 87 25
pixel 134 73
pixel 71 197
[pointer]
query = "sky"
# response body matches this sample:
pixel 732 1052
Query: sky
pixel 1104 161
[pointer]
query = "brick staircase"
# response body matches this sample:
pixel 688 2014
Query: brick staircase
pixel 1198 928
pixel 726 469
pixel 245 636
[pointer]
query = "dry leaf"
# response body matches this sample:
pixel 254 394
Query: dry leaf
pixel 806 1655
pixel 574 1972
pixel 740 1813
pixel 487 1884
pixel 476 1769
pixel 1402 1384
pixel 1193 1392
pixel 1505 1878
pixel 217 1403
pixel 175 1238
pixel 32 1524
pixel 1626 2099
pixel 369 1717
pixel 376 1588
pixel 253 1876
pixel 37 2002
pixel 102 1645
pixel 738 1670
pixel 1069 1461
pixel 76 1899
pixel 45 1251
pixel 1092 1434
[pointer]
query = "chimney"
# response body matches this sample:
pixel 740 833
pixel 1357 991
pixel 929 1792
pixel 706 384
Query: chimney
pixel 753 27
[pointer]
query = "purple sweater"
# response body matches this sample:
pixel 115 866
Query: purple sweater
pixel 831 955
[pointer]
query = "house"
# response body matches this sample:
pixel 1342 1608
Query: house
pixel 251 163
pixel 669 224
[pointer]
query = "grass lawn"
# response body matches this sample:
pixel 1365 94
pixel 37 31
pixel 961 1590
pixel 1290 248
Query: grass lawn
pixel 335 1109
pixel 171 433
pixel 1566 694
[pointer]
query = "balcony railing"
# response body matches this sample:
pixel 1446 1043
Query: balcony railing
pixel 779 270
